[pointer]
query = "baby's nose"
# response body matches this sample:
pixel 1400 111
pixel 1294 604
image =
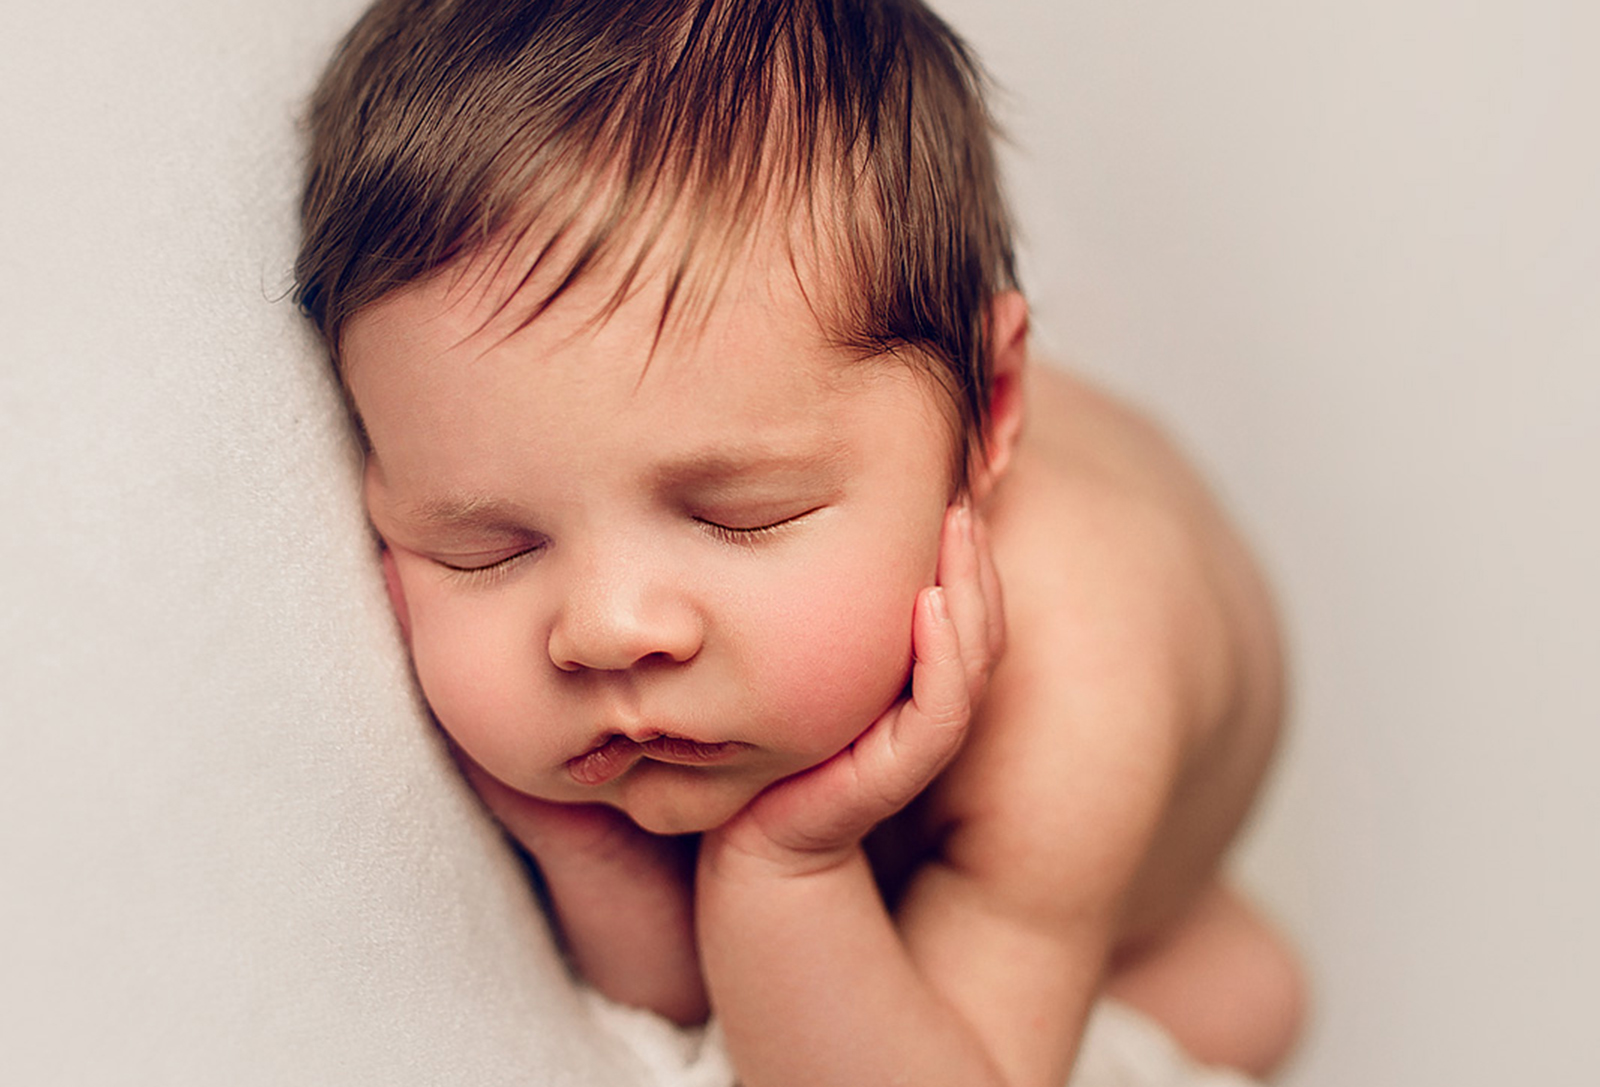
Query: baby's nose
pixel 612 623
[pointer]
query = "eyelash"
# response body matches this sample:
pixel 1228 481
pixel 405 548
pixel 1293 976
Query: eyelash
pixel 481 575
pixel 740 537
pixel 749 537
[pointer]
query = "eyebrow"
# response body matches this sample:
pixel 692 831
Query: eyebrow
pixel 827 456
pixel 471 511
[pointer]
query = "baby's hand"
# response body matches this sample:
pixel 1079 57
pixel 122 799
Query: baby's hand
pixel 622 897
pixel 813 820
pixel 564 833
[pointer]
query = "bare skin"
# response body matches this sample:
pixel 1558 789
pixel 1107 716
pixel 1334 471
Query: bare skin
pixel 1147 639
pixel 1070 848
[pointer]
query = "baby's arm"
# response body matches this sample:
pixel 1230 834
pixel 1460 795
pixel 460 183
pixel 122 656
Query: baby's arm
pixel 621 896
pixel 808 974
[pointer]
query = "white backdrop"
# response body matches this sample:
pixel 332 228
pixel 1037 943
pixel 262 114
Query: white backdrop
pixel 1349 251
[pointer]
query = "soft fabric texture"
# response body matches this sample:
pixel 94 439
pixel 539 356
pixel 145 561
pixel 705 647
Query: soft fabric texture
pixel 1121 1048
pixel 235 850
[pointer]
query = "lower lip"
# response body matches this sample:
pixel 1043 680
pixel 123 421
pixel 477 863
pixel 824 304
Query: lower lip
pixel 610 760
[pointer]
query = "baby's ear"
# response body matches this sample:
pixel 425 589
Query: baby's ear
pixel 397 594
pixel 1006 332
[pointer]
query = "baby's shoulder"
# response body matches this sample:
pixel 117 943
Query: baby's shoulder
pixel 1094 479
pixel 1134 622
pixel 1111 552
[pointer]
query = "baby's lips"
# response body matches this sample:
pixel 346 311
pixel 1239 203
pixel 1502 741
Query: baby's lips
pixel 605 763
pixel 686 752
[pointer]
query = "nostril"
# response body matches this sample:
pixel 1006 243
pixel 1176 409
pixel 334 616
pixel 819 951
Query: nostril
pixel 664 657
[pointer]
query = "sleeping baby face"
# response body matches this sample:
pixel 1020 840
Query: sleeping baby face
pixel 656 575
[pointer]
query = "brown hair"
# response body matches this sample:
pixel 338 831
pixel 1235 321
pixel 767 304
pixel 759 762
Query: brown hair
pixel 442 126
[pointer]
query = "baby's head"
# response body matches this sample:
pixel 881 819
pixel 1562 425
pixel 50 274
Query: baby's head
pixel 672 327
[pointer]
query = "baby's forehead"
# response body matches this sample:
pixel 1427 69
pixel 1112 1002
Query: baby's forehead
pixel 684 276
pixel 452 380
pixel 536 295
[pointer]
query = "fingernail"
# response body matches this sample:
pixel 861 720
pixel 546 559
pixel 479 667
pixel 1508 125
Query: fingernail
pixel 936 605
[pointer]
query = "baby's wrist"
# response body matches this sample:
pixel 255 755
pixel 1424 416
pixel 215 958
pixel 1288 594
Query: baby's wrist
pixel 743 851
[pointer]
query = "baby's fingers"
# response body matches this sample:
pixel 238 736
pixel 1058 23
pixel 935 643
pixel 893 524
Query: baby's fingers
pixel 989 581
pixel 972 589
pixel 932 721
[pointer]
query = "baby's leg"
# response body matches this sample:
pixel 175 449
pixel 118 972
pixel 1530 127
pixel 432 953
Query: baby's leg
pixel 1221 980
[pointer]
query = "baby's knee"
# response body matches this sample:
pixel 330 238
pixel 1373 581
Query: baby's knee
pixel 1224 981
pixel 1270 982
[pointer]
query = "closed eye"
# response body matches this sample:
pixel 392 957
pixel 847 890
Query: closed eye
pixel 749 535
pixel 478 568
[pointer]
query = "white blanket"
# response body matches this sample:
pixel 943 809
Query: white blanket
pixel 1121 1048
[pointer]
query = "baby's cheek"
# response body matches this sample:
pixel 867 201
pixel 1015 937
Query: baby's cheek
pixel 842 658
pixel 468 689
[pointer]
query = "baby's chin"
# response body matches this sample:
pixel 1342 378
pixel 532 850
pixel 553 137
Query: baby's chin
pixel 682 803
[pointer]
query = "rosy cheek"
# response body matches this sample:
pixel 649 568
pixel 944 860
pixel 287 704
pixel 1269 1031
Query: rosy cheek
pixel 466 666
pixel 464 683
pixel 841 655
